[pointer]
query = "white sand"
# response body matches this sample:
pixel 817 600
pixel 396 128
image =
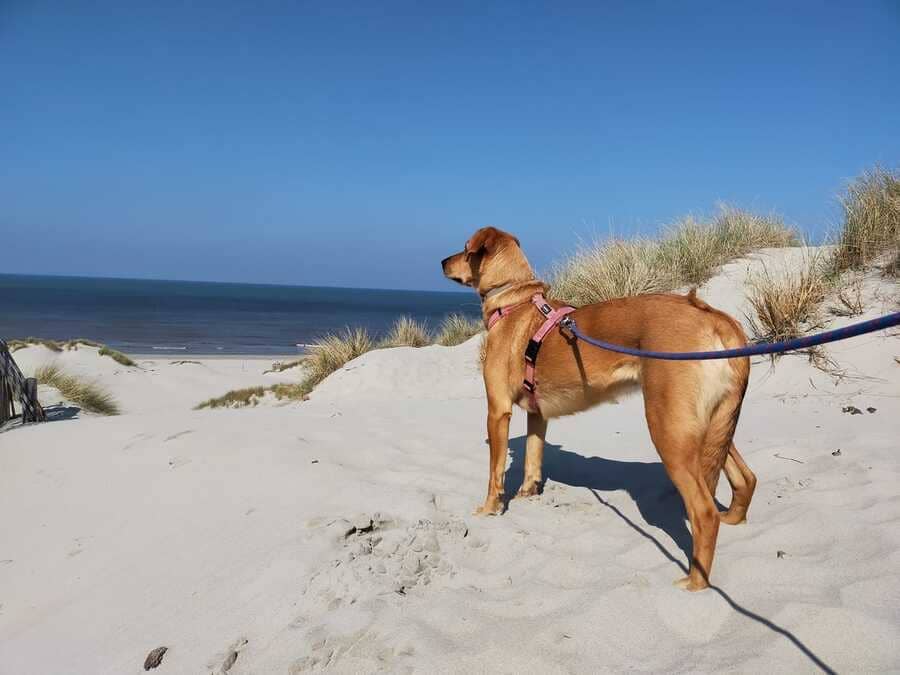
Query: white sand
pixel 200 530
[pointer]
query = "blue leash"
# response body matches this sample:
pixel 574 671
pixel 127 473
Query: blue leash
pixel 871 326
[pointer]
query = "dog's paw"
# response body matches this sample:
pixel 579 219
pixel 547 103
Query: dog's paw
pixel 491 507
pixel 529 490
pixel 688 584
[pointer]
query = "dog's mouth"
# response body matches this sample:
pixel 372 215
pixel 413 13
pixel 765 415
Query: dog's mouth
pixel 457 280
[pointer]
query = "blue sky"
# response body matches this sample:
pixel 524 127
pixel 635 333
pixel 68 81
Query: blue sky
pixel 357 144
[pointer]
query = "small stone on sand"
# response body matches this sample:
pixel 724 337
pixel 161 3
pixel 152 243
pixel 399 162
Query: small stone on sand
pixel 154 658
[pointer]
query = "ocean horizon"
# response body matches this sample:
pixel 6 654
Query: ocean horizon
pixel 203 318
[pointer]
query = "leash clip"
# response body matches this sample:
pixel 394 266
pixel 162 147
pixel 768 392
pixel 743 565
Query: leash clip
pixel 567 327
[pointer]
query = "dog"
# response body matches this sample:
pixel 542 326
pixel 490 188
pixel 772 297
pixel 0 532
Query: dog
pixel 692 407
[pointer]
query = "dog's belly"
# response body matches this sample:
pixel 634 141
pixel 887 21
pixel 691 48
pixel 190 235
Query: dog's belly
pixel 559 400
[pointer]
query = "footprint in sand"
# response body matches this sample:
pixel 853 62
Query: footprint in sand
pixel 221 663
pixel 362 645
pixel 380 557
pixel 136 440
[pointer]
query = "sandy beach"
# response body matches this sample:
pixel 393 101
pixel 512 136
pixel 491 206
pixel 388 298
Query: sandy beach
pixel 337 533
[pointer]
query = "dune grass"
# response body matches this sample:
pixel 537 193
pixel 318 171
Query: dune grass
pixel 333 351
pixel 21 343
pixel 871 227
pixel 281 366
pixel 689 252
pixel 72 345
pixel 406 332
pixel 456 329
pixel 116 356
pixel 786 303
pixel 327 355
pixel 87 395
pixel 236 398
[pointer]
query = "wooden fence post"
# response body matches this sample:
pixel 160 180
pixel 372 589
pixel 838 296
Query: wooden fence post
pixel 29 394
pixel 14 385
pixel 6 400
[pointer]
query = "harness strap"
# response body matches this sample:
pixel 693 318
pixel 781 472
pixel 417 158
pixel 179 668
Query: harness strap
pixel 503 311
pixel 552 317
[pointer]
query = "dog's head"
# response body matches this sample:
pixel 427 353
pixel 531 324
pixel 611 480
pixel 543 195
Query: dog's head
pixel 490 259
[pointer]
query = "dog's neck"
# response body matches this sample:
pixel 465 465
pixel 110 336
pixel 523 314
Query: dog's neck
pixel 510 294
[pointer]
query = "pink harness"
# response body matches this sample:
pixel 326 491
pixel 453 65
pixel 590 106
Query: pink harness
pixel 551 318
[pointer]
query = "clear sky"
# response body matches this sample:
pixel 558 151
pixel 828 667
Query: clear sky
pixel 357 144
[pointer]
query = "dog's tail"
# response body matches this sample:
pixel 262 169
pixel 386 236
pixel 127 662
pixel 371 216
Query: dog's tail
pixel 718 443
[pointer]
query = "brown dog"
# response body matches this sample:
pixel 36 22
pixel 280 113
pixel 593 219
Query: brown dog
pixel 692 407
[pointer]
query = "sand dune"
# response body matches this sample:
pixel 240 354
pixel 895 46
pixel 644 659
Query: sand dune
pixel 337 533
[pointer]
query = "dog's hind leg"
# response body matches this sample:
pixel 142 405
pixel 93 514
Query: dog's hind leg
pixel 743 484
pixel 704 517
pixel 680 439
pixel 534 456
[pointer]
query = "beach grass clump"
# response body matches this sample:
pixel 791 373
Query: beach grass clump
pixel 406 332
pixel 327 355
pixel 786 303
pixel 281 366
pixel 116 356
pixel 251 396
pixel 456 329
pixel 87 395
pixel 871 227
pixel 71 346
pixel 612 269
pixel 21 343
pixel 849 295
pixel 291 392
pixel 237 398
pixel 332 352
pixel 689 252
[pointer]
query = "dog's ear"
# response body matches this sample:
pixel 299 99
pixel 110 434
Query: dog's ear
pixel 486 239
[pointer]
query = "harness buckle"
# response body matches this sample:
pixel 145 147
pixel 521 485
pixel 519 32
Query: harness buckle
pixel 531 351
pixel 529 386
pixel 567 327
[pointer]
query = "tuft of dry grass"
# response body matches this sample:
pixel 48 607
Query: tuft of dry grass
pixel 237 398
pixel 871 227
pixel 456 329
pixel 290 392
pixel 613 269
pixel 333 352
pixel 89 396
pixel 849 295
pixel 281 366
pixel 116 356
pixel 406 332
pixel 20 343
pixel 328 354
pixel 689 252
pixel 786 303
pixel 72 345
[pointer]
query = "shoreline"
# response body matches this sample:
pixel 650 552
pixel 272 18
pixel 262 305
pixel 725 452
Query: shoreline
pixel 157 356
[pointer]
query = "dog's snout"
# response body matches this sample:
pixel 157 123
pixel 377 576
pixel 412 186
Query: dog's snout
pixel 445 261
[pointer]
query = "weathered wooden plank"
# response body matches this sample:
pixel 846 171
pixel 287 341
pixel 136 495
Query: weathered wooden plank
pixel 17 386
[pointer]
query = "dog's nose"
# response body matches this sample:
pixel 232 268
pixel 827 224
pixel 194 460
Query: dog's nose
pixel 444 262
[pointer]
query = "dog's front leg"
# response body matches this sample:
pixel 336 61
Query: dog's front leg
pixel 498 437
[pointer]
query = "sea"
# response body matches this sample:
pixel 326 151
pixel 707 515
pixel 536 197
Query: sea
pixel 140 316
